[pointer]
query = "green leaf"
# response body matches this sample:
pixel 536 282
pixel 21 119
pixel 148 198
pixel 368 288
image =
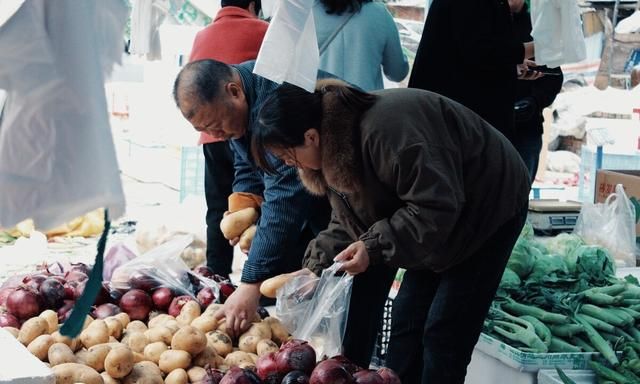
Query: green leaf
pixel 631 279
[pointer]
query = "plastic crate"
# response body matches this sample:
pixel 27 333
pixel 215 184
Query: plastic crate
pixel 548 376
pixel 382 341
pixel 191 172
pixel 589 167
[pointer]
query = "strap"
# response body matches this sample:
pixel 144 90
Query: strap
pixel 335 33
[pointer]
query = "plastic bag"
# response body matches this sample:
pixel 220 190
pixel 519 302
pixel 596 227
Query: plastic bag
pixel 292 300
pixel 289 51
pixel 162 267
pixel 117 255
pixel 325 319
pixel 611 225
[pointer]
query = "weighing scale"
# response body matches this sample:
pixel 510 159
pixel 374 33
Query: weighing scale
pixel 549 216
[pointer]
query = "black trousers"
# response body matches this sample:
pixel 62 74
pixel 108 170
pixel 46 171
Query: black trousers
pixel 218 181
pixel 368 296
pixel 437 317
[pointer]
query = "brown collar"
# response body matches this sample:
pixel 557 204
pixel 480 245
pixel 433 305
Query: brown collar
pixel 339 146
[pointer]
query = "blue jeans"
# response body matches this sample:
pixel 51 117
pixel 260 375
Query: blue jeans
pixel 529 144
pixel 437 317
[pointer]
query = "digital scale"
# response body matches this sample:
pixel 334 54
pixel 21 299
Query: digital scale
pixel 553 216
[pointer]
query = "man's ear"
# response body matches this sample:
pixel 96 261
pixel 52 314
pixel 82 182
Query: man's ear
pixel 234 90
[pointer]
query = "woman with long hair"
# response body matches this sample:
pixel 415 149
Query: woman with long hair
pixel 415 181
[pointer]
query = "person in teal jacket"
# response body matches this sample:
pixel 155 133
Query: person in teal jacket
pixel 366 45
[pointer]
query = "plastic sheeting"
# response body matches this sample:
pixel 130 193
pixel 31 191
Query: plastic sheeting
pixel 57 158
pixel 289 50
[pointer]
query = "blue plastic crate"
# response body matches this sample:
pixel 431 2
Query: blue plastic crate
pixel 191 172
pixel 589 167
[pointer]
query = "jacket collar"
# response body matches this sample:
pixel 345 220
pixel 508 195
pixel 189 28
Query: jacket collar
pixel 233 12
pixel 339 145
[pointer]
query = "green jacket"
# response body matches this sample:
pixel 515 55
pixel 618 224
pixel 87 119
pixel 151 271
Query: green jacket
pixel 421 179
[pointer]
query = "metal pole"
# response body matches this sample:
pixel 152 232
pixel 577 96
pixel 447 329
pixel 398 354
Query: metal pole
pixel 613 35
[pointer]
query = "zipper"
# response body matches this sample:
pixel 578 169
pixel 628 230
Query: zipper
pixel 345 201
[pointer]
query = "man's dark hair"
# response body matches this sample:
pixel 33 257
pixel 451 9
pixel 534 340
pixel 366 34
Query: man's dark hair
pixel 241 4
pixel 338 7
pixel 201 81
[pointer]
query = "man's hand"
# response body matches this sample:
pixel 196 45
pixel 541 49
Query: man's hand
pixel 239 308
pixel 355 258
pixel 526 73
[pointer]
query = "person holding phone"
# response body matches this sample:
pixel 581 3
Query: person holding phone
pixel 536 89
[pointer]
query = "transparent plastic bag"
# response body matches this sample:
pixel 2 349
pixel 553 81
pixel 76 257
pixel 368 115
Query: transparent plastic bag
pixel 611 225
pixel 325 318
pixel 292 300
pixel 162 267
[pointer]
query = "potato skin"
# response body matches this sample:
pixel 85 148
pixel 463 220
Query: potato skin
pixel 119 362
pixel 39 347
pixel 71 373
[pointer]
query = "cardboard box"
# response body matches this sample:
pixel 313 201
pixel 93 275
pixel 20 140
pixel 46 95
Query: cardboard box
pixel 591 23
pixel 606 181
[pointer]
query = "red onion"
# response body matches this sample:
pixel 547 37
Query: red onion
pixel 267 368
pixel 367 377
pixel 206 297
pixel 296 355
pixel 347 364
pixel 23 303
pixel 8 320
pixel 79 289
pixel 213 375
pixel 80 267
pixel 226 289
pixel 70 290
pixel 177 303
pixel 103 294
pixel 139 280
pixel 162 298
pixel 295 377
pixel 330 372
pixel 52 293
pixel 106 310
pixel 237 375
pixel 65 311
pixel 136 303
pixel 389 376
pixel 203 271
pixel 74 275
pixel 59 278
pixel 34 281
pixel 4 294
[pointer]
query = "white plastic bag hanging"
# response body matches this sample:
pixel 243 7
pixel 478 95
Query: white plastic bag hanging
pixel 325 320
pixel 289 51
pixel 557 32
pixel 612 225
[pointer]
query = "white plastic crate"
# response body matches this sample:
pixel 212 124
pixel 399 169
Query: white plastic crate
pixel 548 376
pixel 191 172
pixel 588 168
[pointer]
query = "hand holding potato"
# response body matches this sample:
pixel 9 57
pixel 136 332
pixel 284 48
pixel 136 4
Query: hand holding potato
pixel 239 308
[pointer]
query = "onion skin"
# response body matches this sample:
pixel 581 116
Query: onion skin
pixel 136 303
pixel 330 372
pixel 162 298
pixel 24 303
pixel 8 320
pixel 389 376
pixel 177 303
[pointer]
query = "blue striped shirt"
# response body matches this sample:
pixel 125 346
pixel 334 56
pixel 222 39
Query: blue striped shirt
pixel 288 209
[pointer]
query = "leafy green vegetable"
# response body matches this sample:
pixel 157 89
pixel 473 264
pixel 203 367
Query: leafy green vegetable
pixel 522 259
pixel 564 244
pixel 510 280
pixel 594 262
pixel 547 265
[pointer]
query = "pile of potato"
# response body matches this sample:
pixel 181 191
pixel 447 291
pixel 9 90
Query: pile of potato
pixel 166 350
